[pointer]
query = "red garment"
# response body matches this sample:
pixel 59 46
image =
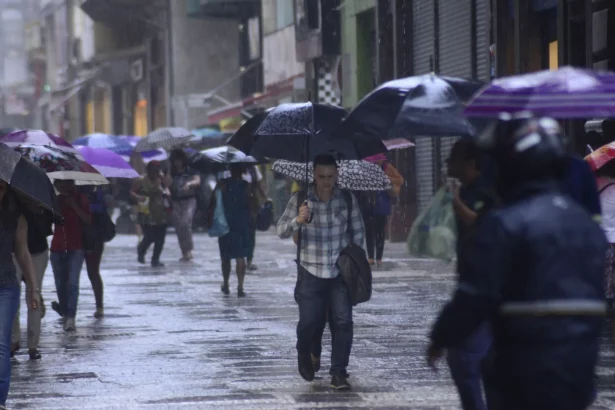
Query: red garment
pixel 69 237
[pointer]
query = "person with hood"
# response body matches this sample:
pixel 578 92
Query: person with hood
pixel 533 271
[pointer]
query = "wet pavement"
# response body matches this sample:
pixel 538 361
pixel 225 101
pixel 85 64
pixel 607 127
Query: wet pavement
pixel 170 339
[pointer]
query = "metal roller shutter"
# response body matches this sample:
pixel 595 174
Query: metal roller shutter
pixel 455 19
pixel 423 51
pixel 483 27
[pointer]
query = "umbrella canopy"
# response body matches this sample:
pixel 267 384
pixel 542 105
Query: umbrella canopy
pixel 115 143
pixel 354 175
pixel 425 105
pixel 108 163
pixel 565 93
pixel 164 138
pixel 27 179
pixel 37 137
pixel 244 138
pixel 301 131
pixel 60 164
pixel 213 159
pixel 598 158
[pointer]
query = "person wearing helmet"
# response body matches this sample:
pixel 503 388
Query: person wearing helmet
pixel 534 271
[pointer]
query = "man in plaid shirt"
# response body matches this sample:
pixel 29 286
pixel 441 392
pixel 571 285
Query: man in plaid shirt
pixel 325 230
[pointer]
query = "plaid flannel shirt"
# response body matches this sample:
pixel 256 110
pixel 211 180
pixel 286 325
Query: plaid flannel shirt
pixel 323 239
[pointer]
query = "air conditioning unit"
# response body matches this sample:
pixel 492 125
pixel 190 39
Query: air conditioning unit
pixel 136 70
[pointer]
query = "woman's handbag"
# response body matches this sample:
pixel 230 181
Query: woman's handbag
pixel 219 225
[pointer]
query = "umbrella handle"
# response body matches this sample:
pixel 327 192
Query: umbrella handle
pixel 309 220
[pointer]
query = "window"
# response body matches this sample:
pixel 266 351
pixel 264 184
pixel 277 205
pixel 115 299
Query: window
pixel 13 28
pixel 284 13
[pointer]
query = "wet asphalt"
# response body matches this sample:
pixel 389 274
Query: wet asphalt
pixel 171 340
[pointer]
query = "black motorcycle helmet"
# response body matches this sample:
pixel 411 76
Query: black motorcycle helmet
pixel 525 148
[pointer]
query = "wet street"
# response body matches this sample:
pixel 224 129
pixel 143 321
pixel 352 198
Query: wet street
pixel 170 339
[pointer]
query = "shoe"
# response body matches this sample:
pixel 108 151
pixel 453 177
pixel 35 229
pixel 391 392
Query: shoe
pixel 100 312
pixel 241 293
pixel 56 307
pixel 372 262
pixel 157 264
pixel 69 324
pixel 305 367
pixel 141 259
pixel 252 267
pixel 34 354
pixel 340 382
pixel 225 289
pixel 14 348
pixel 315 363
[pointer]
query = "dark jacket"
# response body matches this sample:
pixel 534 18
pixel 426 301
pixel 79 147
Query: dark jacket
pixel 534 269
pixel 356 272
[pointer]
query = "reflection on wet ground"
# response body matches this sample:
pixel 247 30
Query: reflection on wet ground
pixel 170 339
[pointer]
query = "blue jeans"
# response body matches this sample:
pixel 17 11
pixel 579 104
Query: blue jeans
pixel 314 296
pixel 66 272
pixel 469 365
pixel 9 301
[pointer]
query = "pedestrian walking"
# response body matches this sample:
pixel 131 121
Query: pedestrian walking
pixel 237 244
pixel 376 208
pixel 152 196
pixel 183 186
pixel 13 240
pixel 39 228
pixel 533 269
pixel 67 250
pixel 95 249
pixel 469 361
pixel 326 222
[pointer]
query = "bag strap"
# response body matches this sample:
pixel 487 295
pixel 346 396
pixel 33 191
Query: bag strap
pixel 605 187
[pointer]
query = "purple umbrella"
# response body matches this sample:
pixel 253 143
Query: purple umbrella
pixel 37 137
pixel 564 93
pixel 108 163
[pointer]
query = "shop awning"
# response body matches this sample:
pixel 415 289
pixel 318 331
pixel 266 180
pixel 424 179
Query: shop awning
pixel 56 99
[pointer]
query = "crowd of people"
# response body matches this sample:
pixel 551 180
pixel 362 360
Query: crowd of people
pixel 531 261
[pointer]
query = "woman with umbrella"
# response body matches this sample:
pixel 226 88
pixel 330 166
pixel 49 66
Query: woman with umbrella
pixel 184 182
pixel 237 243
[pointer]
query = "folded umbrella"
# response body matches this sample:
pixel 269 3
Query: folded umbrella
pixel 424 105
pixel 108 163
pixel 565 93
pixel 27 179
pixel 301 131
pixel 354 175
pixel 60 164
pixel 114 143
pixel 164 138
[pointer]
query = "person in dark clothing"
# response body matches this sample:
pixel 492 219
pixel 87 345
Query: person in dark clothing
pixel 469 361
pixel 533 270
pixel 95 249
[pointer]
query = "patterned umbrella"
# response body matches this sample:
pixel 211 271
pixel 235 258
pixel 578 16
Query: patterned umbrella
pixel 564 93
pixel 108 163
pixel 60 164
pixel 37 137
pixel 354 175
pixel 115 143
pixel 164 138
pixel 601 156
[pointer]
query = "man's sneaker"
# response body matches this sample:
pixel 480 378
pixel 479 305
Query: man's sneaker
pixel 69 324
pixel 157 264
pixel 305 366
pixel 315 363
pixel 340 383
pixel 100 312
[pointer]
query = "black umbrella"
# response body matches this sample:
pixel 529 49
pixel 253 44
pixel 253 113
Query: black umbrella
pixel 425 105
pixel 300 131
pixel 215 159
pixel 243 138
pixel 26 179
